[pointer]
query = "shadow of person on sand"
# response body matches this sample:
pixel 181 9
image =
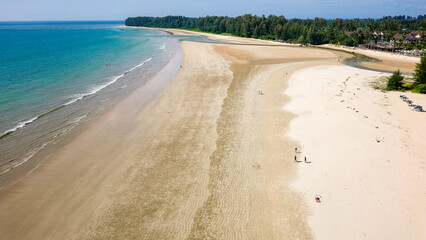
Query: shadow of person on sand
pixel 295 159
pixel 306 161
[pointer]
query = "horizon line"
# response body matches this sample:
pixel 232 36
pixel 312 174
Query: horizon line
pixel 10 21
pixel 306 18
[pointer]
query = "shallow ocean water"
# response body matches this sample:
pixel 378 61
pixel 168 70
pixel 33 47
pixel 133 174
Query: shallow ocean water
pixel 53 75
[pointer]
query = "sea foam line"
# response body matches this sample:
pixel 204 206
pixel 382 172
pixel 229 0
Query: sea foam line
pixel 78 97
pixel 32 153
pixel 137 66
pixel 35 151
pixel 99 88
pixel 18 126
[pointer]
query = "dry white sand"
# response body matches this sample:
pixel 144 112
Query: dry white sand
pixel 388 61
pixel 366 153
pixel 376 53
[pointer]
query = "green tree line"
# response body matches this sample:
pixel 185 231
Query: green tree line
pixel 314 31
pixel 395 82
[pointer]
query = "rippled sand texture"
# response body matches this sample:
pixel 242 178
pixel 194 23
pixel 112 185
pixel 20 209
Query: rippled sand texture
pixel 216 168
pixel 207 159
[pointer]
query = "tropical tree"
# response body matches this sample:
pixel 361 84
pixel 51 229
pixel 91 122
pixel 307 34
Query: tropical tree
pixel 314 31
pixel 420 72
pixel 395 81
pixel 421 88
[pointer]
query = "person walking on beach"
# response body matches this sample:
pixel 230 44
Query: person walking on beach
pixel 295 150
pixel 295 158
pixel 305 160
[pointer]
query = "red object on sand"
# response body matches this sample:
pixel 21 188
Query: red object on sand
pixel 318 199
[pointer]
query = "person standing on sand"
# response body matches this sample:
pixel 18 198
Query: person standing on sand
pixel 295 150
pixel 305 160
pixel 295 158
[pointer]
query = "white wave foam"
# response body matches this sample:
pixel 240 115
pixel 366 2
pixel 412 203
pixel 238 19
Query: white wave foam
pixel 93 90
pixel 5 171
pixel 78 97
pixel 149 59
pixel 96 89
pixel 24 160
pixel 137 66
pixel 78 119
pixel 18 126
pixel 35 151
pixel 163 46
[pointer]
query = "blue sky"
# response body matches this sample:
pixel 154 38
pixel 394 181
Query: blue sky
pixel 40 10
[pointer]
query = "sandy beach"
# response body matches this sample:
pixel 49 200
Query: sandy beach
pixel 205 150
pixel 387 61
pixel 365 154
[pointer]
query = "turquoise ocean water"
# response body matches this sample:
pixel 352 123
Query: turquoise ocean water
pixel 53 75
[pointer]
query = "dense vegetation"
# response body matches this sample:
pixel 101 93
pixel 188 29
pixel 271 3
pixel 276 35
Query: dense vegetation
pixel 420 75
pixel 395 81
pixel 416 84
pixel 314 31
pixel 420 72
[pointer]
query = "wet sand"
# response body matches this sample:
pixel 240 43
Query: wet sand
pixel 387 61
pixel 216 168
pixel 210 157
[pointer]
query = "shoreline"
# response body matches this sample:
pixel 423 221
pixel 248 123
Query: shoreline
pixel 386 62
pixel 209 154
pixel 77 168
pixel 111 95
